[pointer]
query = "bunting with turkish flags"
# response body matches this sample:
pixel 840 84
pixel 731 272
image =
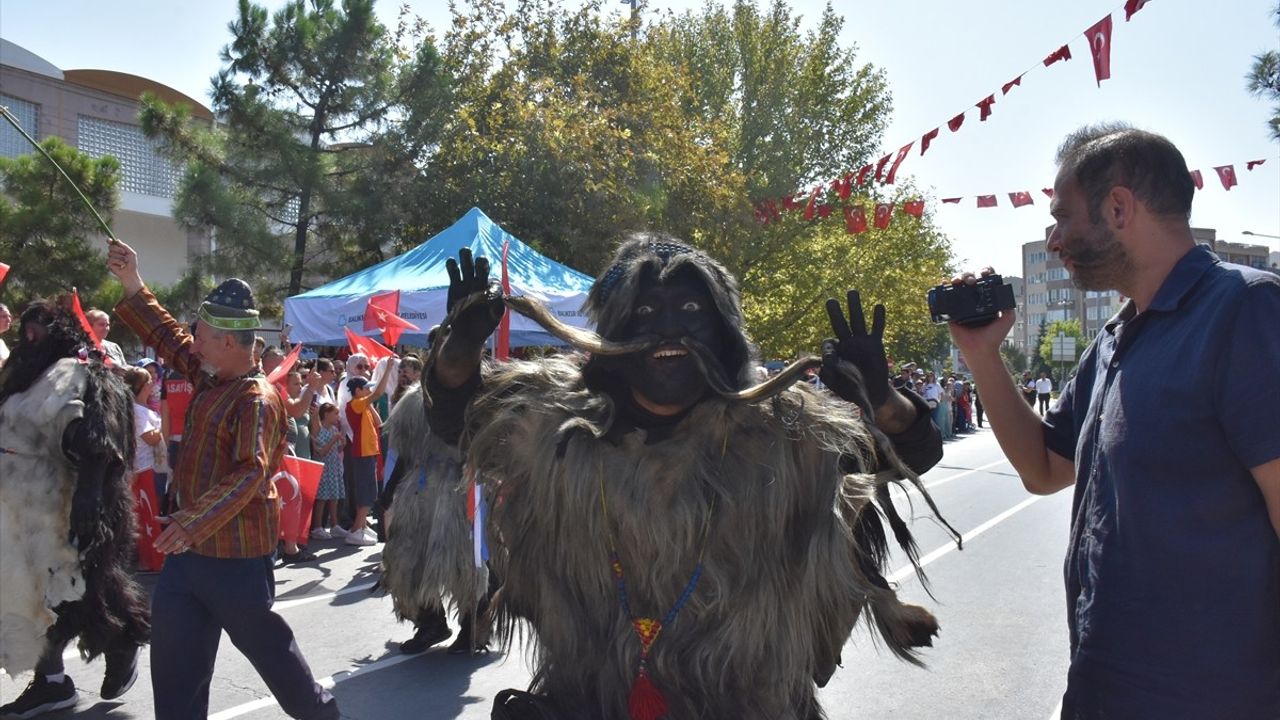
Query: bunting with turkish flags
pixel 1099 37
pixel 1020 198
pixel 368 347
pixel 855 220
pixel 1248 166
pixel 928 138
pixel 986 201
pixel 1062 53
pixel 1131 7
pixel 880 167
pixel 952 201
pixel 902 155
pixel 1227 174
pixel 1198 179
pixel 1004 89
pixel 1048 192
pixel 862 174
pixel 884 215
pixel 913 207
pixel 984 107
pixel 954 123
pixel 813 200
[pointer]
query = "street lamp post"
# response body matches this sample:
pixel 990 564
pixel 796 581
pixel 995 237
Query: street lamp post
pixel 1258 234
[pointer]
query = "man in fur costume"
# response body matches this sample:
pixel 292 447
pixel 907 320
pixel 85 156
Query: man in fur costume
pixel 683 544
pixel 66 515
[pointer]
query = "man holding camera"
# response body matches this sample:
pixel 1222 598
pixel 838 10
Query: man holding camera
pixel 1173 565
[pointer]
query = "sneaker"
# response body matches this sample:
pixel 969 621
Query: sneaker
pixel 425 638
pixel 40 697
pixel 359 538
pixel 337 531
pixel 122 671
pixel 371 534
pixel 302 556
pixel 321 534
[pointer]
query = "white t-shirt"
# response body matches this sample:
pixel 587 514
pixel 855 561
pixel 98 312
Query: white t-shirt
pixel 144 419
pixel 1044 386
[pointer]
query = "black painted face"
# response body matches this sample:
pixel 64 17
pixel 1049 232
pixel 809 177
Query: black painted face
pixel 679 308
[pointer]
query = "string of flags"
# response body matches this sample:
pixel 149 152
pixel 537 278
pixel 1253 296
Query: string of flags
pixel 885 170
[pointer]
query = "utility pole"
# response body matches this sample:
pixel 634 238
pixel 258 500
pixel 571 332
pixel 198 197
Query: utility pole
pixel 635 19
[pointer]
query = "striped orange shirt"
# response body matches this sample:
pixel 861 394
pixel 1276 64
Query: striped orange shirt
pixel 233 443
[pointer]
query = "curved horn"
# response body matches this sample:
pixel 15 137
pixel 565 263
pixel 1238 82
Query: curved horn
pixel 756 393
pixel 584 340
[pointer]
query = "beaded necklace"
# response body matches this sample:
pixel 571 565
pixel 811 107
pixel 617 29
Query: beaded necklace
pixel 646 701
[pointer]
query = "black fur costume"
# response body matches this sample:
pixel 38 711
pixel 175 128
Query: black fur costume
pixel 66 425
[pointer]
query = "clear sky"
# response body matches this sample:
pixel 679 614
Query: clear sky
pixel 1177 68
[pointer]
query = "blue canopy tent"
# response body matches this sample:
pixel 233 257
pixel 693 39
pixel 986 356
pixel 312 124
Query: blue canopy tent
pixel 319 316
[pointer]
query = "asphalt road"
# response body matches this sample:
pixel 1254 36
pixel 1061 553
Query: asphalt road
pixel 1002 652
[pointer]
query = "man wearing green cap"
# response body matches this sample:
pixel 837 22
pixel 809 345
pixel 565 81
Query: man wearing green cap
pixel 218 575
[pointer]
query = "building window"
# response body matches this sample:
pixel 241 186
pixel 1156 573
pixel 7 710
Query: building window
pixel 12 144
pixel 142 169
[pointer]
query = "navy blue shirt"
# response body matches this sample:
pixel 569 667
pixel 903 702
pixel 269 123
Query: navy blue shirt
pixel 1173 567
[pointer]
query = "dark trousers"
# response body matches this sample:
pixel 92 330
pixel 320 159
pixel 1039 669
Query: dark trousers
pixel 196 599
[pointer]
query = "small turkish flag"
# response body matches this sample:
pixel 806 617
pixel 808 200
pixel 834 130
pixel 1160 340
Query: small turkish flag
pixel 78 312
pixel 926 139
pixel 1227 174
pixel 4 269
pixel 862 174
pixel 902 155
pixel 986 201
pixel 1004 89
pixel 955 122
pixel 880 167
pixel 984 107
pixel 845 186
pixel 884 214
pixel 284 367
pixel 913 207
pixel 1062 53
pixel 1099 37
pixel 381 314
pixel 1198 179
pixel 1131 7
pixel 368 347
pixel 1047 191
pixel 1020 198
pixel 1248 166
pixel 952 201
pixel 855 220
pixel 824 211
pixel 813 200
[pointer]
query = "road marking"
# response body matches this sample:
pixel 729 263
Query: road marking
pixel 326 683
pixel 959 475
pixel 908 570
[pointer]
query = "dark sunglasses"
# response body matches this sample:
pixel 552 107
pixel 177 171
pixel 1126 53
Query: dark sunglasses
pixel 362 367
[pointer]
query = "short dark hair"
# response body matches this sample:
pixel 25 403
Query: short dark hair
pixel 411 361
pixel 1100 157
pixel 323 364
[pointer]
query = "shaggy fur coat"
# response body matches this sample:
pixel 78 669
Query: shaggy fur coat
pixel 46 580
pixel 790 558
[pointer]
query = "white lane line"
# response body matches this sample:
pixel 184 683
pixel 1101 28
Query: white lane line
pixel 957 476
pixel 908 570
pixel 327 683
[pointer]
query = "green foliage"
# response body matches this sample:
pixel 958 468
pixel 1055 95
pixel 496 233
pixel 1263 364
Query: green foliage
pixel 1015 359
pixel 1263 79
pixel 1070 328
pixel 47 235
pixel 325 115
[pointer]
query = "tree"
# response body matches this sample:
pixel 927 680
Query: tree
pixel 47 235
pixel 1067 328
pixel 1263 79
pixel 1015 359
pixel 324 119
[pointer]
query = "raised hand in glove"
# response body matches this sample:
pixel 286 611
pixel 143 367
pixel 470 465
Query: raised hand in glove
pixel 854 346
pixel 466 278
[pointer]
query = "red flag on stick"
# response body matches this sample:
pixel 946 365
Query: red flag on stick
pixel 1020 198
pixel 955 122
pixel 952 201
pixel 368 347
pixel 855 220
pixel 1004 89
pixel 285 365
pixel 986 201
pixel 884 215
pixel 1248 166
pixel 1198 179
pixel 381 314
pixel 984 107
pixel 502 346
pixel 1131 7
pixel 913 207
pixel 1099 37
pixel 926 139
pixel 84 323
pixel 1062 53
pixel 902 155
pixel 4 269
pixel 1227 174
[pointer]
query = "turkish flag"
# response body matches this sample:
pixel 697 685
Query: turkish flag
pixel 986 201
pixel 297 483
pixel 813 200
pixel 1099 37
pixel 880 167
pixel 1131 7
pixel 955 122
pixel 855 220
pixel 1248 166
pixel 1047 191
pixel 1004 89
pixel 1062 53
pixel 953 201
pixel 381 314
pixel 902 155
pixel 789 203
pixel 368 347
pixel 502 345
pixel 913 207
pixel 824 211
pixel 1198 179
pixel 1227 174
pixel 1020 198
pixel 926 139
pixel 984 107
pixel 285 365
pixel 845 186
pixel 862 174
pixel 4 269
pixel 884 214
pixel 84 324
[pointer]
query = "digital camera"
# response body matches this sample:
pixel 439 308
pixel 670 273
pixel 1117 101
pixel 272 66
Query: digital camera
pixel 971 305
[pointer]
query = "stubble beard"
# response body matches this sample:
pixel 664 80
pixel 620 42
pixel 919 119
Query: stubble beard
pixel 1102 263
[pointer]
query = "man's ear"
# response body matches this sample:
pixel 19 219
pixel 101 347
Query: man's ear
pixel 1120 207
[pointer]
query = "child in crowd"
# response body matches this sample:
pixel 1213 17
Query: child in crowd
pixel 326 447
pixel 148 444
